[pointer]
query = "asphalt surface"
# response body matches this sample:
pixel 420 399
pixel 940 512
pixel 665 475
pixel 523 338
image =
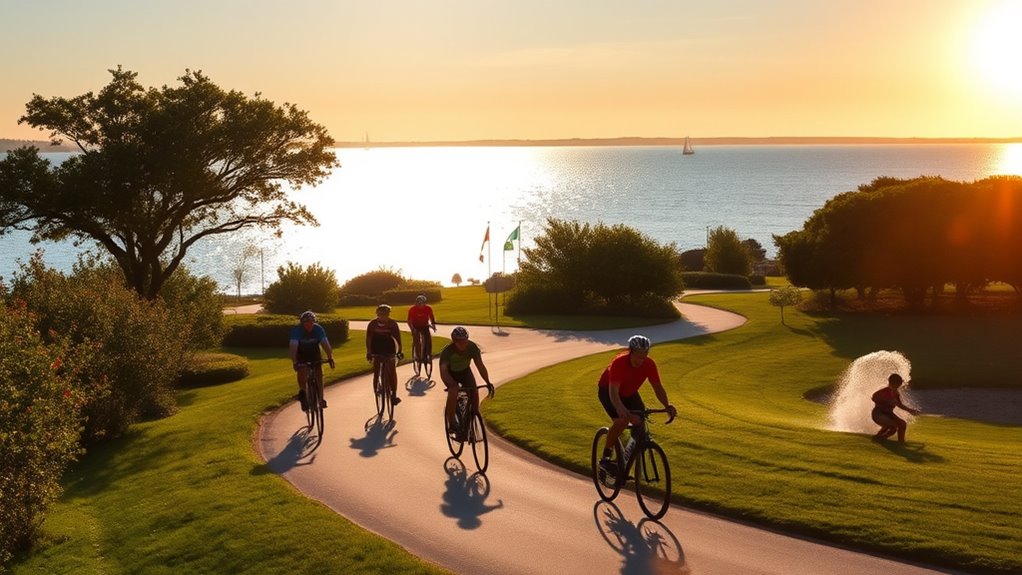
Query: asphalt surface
pixel 524 516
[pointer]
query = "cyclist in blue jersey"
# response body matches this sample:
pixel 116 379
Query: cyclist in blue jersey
pixel 306 340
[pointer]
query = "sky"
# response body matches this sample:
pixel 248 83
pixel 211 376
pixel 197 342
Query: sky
pixel 455 70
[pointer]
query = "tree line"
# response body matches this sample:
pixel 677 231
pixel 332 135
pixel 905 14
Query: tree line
pixel 912 235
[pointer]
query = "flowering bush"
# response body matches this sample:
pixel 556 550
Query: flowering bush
pixel 40 422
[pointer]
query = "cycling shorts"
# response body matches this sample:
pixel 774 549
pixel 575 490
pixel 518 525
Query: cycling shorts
pixel 632 402
pixel 465 378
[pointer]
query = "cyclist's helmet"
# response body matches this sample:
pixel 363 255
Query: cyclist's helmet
pixel 420 299
pixel 308 315
pixel 383 307
pixel 459 333
pixel 639 343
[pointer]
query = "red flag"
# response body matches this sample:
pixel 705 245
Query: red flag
pixel 486 238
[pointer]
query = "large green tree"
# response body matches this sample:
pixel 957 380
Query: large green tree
pixel 161 169
pixel 583 268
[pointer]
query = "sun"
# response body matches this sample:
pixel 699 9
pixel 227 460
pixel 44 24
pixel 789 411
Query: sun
pixel 998 47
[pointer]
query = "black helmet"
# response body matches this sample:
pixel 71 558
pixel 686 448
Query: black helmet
pixel 639 343
pixel 308 314
pixel 459 333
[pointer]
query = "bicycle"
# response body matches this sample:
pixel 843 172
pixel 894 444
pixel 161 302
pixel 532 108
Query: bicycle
pixel 383 392
pixel 468 427
pixel 652 473
pixel 314 396
pixel 422 352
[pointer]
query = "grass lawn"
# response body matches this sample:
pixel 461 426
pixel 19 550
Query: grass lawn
pixel 747 445
pixel 189 494
pixel 471 305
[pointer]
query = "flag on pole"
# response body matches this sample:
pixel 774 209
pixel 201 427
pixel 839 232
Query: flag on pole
pixel 509 243
pixel 486 238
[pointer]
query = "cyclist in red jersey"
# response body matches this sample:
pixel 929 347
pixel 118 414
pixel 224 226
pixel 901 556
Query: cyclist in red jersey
pixel 420 321
pixel 885 400
pixel 619 392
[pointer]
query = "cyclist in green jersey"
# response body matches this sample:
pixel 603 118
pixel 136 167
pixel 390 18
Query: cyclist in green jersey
pixel 456 370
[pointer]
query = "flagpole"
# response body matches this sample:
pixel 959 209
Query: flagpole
pixel 519 262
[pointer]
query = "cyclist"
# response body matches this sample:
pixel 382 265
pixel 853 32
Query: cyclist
pixel 383 345
pixel 455 369
pixel 420 321
pixel 619 393
pixel 306 340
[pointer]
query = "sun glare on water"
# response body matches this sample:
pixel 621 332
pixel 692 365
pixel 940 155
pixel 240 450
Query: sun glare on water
pixel 1010 162
pixel 998 47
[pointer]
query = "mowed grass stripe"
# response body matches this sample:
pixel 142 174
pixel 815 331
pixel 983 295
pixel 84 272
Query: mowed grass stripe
pixel 747 445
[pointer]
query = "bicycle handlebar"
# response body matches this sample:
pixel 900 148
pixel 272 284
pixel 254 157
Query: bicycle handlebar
pixel 488 386
pixel 645 413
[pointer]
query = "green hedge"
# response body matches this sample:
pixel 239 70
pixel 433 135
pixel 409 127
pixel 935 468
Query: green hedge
pixel 710 280
pixel 272 330
pixel 406 296
pixel 212 369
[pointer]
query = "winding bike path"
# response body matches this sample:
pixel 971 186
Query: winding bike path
pixel 525 515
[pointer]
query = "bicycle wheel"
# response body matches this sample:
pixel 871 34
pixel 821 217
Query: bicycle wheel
pixel 607 487
pixel 477 437
pixel 428 367
pixel 310 416
pixel 388 400
pixel 653 481
pixel 315 386
pixel 453 444
pixel 417 357
pixel 378 391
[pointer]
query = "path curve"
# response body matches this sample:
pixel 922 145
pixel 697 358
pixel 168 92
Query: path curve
pixel 525 515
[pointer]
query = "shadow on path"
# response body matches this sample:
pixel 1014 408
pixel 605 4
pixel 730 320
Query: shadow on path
pixel 300 450
pixel 647 546
pixel 465 496
pixel 378 436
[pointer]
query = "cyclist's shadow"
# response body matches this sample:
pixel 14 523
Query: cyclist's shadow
pixel 300 450
pixel 418 386
pixel 465 496
pixel 647 546
pixel 379 435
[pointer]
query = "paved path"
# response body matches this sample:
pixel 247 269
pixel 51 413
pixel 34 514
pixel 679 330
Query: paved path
pixel 524 516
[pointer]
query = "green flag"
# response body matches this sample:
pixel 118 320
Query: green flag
pixel 508 244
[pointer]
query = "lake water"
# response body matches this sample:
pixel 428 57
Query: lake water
pixel 424 211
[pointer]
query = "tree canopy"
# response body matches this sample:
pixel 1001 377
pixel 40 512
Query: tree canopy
pixel 580 268
pixel 160 169
pixel 912 235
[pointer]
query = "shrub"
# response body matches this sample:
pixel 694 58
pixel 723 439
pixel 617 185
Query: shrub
pixel 709 280
pixel 197 304
pixel 298 289
pixel 204 369
pixel 726 253
pixel 40 419
pixel 405 296
pixel 265 330
pixel 573 259
pixel 141 341
pixel 543 300
pixel 373 283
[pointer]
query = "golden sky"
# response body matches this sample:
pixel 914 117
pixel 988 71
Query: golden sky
pixel 536 69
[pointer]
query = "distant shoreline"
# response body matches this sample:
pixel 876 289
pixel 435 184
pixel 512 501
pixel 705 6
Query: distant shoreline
pixel 696 142
pixel 44 146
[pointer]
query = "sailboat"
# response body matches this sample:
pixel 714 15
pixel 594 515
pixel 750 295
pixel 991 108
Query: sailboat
pixel 687 150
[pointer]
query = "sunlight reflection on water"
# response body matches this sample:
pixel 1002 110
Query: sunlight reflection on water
pixel 423 211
